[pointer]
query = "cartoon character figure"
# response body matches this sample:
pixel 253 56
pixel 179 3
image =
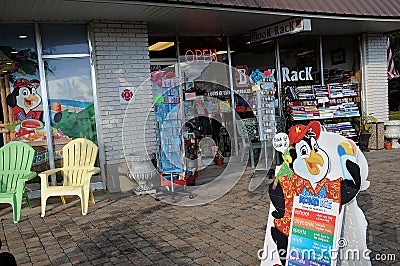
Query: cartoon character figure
pixel 354 227
pixel 24 99
pixel 310 165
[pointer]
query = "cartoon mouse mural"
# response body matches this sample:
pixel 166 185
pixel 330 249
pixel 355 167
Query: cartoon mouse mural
pixel 24 99
pixel 307 171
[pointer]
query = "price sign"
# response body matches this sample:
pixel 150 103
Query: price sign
pixel 314 231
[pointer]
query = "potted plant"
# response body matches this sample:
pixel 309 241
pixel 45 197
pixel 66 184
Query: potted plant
pixel 219 158
pixel 388 145
pixel 362 127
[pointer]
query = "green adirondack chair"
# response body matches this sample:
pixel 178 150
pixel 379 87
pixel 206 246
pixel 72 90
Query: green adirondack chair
pixel 16 160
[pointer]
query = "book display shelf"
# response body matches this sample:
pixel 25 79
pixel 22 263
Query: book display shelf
pixel 334 104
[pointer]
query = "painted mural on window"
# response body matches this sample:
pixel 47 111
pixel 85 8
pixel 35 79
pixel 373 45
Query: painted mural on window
pixel 68 84
pixel 18 62
pixel 70 101
pixel 25 98
pixel 71 98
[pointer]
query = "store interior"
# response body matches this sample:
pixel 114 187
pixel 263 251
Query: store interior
pixel 206 91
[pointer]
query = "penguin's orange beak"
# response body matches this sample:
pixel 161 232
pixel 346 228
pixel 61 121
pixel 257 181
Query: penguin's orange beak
pixel 31 98
pixel 313 161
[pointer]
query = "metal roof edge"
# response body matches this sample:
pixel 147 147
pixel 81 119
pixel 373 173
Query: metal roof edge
pixel 277 12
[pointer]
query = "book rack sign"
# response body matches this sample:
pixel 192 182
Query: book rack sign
pixel 315 230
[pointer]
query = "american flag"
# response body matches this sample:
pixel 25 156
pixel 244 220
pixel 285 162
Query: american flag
pixel 392 72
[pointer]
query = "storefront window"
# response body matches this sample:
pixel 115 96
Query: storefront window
pixel 340 59
pixel 64 39
pixel 69 86
pixel 203 66
pixel 71 101
pixel 68 82
pixel 335 100
pixel 19 63
pixel 247 58
pixel 300 60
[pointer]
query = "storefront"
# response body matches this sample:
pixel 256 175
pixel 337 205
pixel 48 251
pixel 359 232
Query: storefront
pixel 82 66
pixel 49 90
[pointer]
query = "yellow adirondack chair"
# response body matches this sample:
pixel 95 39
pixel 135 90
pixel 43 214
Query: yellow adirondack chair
pixel 16 160
pixel 78 168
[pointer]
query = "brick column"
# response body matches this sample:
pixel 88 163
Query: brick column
pixel 122 60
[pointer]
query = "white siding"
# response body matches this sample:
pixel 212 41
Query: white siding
pixel 376 83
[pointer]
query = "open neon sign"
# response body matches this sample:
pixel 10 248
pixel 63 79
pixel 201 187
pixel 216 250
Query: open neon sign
pixel 201 55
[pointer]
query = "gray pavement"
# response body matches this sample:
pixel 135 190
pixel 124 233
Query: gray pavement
pixel 125 229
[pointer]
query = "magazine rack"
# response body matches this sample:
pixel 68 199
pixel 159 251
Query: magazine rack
pixel 170 143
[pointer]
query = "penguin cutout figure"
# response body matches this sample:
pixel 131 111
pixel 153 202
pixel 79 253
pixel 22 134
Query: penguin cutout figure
pixel 317 164
pixel 354 228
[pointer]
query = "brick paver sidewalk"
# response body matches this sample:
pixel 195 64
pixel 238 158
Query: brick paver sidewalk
pixel 123 229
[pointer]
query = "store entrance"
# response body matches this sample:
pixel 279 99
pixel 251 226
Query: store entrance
pixel 208 117
pixel 208 113
pixel 210 138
